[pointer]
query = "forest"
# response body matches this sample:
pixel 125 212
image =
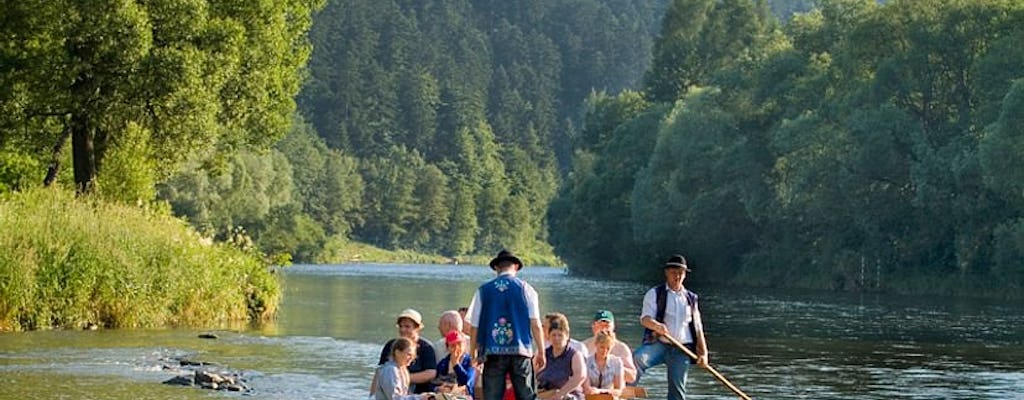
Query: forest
pixel 859 146
pixel 832 144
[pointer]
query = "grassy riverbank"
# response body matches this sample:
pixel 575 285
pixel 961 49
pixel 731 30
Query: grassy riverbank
pixel 67 262
pixel 339 252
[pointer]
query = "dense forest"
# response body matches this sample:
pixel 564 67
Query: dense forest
pixel 861 146
pixel 843 144
pixel 437 126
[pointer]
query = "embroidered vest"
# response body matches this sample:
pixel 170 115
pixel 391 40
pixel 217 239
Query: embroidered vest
pixel 661 296
pixel 504 318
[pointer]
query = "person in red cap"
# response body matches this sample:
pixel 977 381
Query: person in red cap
pixel 671 310
pixel 505 331
pixel 455 372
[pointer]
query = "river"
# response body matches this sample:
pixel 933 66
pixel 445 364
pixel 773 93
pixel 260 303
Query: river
pixel 333 320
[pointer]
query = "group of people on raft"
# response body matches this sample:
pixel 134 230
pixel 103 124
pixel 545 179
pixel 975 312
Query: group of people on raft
pixel 487 349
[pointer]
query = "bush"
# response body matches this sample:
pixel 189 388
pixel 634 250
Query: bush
pixel 67 261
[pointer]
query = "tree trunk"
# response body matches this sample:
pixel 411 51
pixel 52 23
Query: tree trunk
pixel 83 154
pixel 54 168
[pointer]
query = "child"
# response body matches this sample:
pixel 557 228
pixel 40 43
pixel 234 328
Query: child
pixel 392 381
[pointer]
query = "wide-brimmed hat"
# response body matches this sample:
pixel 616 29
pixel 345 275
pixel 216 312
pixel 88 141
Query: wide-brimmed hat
pixel 411 314
pixel 676 261
pixel 506 255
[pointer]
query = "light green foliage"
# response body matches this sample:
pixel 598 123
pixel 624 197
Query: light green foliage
pixel 129 169
pixel 16 171
pixel 67 262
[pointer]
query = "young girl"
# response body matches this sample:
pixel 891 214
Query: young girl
pixel 604 370
pixel 392 381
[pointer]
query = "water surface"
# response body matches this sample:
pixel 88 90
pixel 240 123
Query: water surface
pixel 333 320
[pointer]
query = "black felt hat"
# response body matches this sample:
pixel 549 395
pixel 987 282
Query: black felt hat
pixel 506 255
pixel 676 261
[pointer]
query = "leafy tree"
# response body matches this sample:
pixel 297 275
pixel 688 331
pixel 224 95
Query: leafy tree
pixel 699 37
pixel 197 78
pixel 328 183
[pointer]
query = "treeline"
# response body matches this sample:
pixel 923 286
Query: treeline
pixel 861 146
pixel 435 126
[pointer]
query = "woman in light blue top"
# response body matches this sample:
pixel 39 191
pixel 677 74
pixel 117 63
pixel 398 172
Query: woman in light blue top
pixel 605 372
pixel 392 381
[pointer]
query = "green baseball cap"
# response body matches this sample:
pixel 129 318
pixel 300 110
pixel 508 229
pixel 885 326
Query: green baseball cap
pixel 604 315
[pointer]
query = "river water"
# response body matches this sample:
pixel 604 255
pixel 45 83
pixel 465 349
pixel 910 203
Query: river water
pixel 334 319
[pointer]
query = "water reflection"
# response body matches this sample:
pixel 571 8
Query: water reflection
pixel 772 344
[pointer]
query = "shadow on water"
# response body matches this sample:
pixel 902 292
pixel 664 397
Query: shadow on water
pixel 333 320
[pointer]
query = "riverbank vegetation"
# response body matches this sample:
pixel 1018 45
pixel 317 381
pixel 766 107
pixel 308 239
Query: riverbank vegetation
pixel 861 146
pixel 858 146
pixel 68 263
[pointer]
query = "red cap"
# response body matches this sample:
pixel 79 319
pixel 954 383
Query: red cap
pixel 452 336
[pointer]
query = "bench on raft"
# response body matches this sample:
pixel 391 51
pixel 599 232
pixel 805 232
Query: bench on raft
pixel 628 392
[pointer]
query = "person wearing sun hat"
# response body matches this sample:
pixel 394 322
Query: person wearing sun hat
pixel 604 321
pixel 424 368
pixel 671 310
pixel 505 330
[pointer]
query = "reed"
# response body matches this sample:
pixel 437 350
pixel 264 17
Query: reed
pixel 67 262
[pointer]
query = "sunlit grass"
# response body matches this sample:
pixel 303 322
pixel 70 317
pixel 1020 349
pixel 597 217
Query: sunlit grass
pixel 66 262
pixel 343 251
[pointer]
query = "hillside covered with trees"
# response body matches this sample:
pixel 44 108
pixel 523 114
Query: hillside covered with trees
pixel 861 146
pixel 864 145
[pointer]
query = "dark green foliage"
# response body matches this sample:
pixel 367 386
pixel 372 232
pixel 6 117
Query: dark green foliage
pixel 459 112
pixel 873 147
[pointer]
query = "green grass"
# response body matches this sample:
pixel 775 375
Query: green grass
pixel 66 262
pixel 340 252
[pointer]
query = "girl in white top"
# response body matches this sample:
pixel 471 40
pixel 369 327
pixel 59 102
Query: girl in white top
pixel 392 381
pixel 604 370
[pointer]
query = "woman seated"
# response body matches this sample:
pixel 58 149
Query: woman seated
pixel 392 379
pixel 605 372
pixel 456 374
pixel 565 371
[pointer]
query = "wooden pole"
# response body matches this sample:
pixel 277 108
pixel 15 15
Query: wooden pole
pixel 709 368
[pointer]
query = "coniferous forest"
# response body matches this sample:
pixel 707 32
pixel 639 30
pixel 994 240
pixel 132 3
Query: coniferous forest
pixel 831 144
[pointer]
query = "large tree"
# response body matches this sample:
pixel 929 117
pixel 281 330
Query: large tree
pixel 190 77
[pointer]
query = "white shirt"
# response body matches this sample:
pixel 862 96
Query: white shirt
pixel 677 312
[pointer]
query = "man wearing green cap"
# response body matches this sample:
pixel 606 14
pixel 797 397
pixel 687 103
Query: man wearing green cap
pixel 604 320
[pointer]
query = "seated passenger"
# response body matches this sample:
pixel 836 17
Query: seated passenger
pixel 455 371
pixel 575 344
pixel 422 370
pixel 604 370
pixel 565 371
pixel 605 321
pixel 391 382
pixel 450 320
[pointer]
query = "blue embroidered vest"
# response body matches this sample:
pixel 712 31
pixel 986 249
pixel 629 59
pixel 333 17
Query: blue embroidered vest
pixel 504 318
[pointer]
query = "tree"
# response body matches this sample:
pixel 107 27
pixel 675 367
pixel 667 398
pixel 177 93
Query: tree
pixel 700 37
pixel 192 77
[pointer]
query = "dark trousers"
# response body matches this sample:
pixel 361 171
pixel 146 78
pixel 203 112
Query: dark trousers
pixel 518 368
